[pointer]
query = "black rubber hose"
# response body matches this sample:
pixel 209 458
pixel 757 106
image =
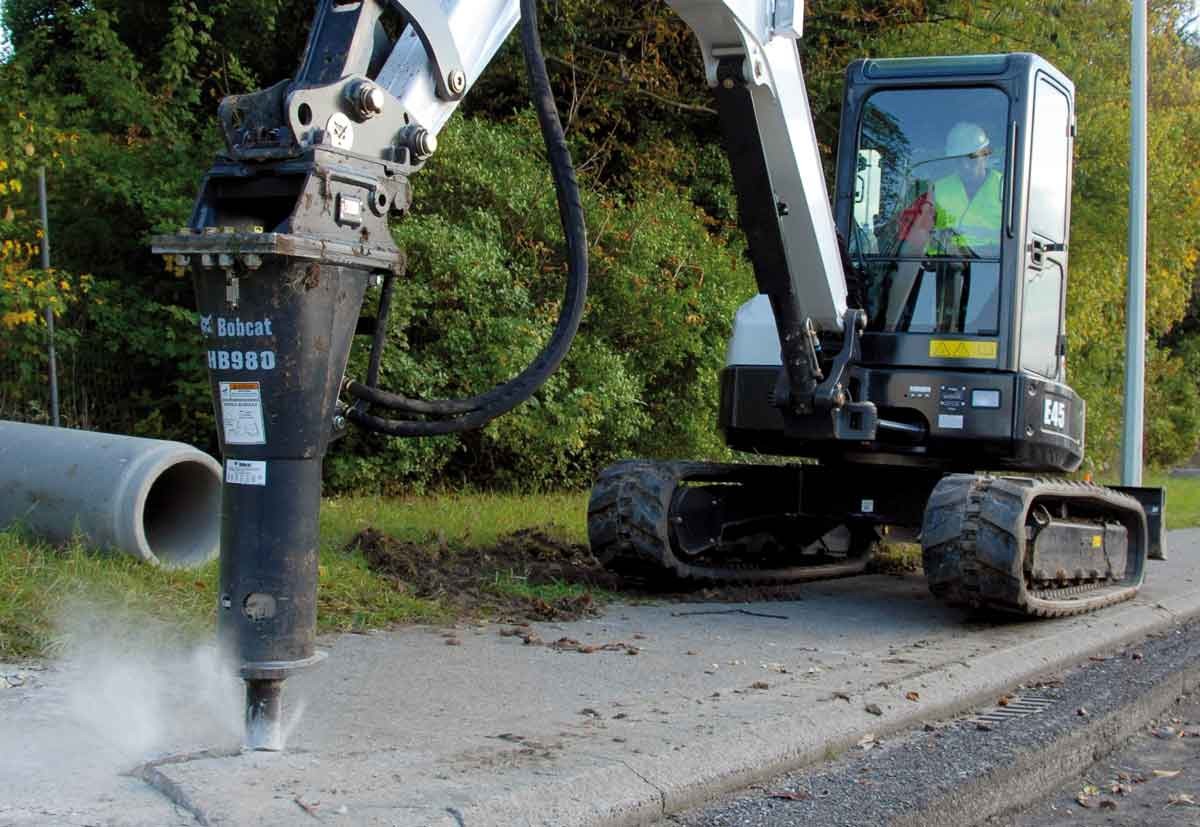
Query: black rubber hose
pixel 381 327
pixel 476 411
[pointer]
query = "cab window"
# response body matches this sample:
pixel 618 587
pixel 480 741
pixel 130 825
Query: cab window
pixel 1049 189
pixel 927 211
pixel 1050 162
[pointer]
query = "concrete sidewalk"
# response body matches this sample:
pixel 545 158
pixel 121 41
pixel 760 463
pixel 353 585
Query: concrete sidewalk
pixel 404 729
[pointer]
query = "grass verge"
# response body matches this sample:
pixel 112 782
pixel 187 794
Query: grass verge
pixel 1183 499
pixel 39 584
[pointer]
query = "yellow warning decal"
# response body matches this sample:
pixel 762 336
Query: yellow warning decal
pixel 1097 541
pixel 961 349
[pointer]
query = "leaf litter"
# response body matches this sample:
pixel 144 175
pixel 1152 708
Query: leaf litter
pixel 790 795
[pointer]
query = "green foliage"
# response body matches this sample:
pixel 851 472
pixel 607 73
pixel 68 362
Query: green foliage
pixel 121 324
pixel 1174 397
pixel 481 296
pixel 136 83
pixel 26 290
pixel 117 120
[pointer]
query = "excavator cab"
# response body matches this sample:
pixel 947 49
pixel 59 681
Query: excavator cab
pixel 953 196
pixel 953 199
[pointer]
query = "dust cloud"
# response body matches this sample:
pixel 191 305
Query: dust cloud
pixel 142 691
pixel 121 690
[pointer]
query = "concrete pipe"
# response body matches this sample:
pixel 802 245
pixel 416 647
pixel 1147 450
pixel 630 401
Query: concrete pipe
pixel 158 501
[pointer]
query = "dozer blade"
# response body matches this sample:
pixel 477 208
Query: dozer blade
pixel 710 523
pixel 1039 548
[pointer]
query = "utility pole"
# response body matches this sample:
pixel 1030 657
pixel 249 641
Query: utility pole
pixel 54 420
pixel 1135 305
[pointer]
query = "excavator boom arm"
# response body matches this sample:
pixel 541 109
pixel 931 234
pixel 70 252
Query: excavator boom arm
pixel 366 94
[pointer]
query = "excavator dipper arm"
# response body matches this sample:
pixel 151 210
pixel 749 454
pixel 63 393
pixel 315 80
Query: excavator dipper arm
pixel 751 61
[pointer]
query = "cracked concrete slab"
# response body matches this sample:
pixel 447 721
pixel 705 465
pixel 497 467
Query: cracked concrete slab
pixel 400 729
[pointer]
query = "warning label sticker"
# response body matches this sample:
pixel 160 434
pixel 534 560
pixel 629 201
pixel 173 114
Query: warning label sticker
pixel 962 349
pixel 245 472
pixel 242 413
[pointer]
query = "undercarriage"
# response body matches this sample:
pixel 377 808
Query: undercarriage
pixel 1033 547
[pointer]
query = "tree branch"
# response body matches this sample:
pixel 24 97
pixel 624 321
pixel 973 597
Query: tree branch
pixel 637 90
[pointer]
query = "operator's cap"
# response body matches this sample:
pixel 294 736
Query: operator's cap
pixel 967 140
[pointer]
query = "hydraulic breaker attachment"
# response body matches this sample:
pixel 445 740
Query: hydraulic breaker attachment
pixel 289 230
pixel 277 312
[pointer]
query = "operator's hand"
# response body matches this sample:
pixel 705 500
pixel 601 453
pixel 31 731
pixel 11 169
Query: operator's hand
pixel 947 242
pixel 950 242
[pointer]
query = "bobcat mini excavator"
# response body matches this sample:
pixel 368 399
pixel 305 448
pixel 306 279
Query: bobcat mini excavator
pixel 927 345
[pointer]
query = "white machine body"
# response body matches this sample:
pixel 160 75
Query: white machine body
pixel 755 339
pixel 479 28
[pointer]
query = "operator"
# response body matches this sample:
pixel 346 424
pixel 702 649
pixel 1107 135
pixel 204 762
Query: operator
pixel 959 218
pixel 967 202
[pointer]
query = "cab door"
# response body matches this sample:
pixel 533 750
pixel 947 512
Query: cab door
pixel 1043 293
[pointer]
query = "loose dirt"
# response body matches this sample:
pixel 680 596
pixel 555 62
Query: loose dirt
pixel 481 580
pixel 489 580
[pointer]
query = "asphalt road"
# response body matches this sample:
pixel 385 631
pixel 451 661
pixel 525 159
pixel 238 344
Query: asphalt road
pixel 1153 780
pixel 955 772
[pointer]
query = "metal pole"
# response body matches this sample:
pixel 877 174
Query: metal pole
pixel 1135 307
pixel 49 310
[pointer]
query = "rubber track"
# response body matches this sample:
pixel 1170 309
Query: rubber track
pixel 629 526
pixel 974 544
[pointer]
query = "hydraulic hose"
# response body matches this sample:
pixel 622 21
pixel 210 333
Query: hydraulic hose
pixel 474 412
pixel 381 326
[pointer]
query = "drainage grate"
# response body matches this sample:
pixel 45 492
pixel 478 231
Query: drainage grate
pixel 1017 707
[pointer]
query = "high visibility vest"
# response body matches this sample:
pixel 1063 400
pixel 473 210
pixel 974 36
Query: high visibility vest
pixel 975 222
